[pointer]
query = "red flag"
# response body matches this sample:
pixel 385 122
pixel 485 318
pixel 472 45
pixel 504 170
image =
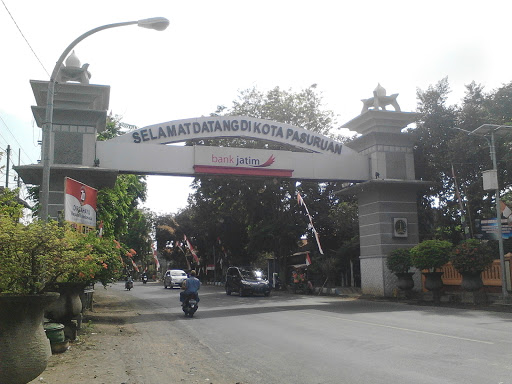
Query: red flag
pixel 135 265
pixel 308 259
pixel 192 251
pixel 318 241
pixel 155 257
pixel 299 199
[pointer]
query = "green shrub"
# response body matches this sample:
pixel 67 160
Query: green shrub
pixel 472 255
pixel 399 260
pixel 431 254
pixel 36 255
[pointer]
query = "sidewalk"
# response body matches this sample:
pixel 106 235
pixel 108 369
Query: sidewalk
pixel 122 342
pixel 94 357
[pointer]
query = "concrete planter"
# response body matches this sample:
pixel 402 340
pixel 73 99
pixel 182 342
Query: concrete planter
pixel 405 281
pixel 434 283
pixel 69 305
pixel 24 347
pixel 471 281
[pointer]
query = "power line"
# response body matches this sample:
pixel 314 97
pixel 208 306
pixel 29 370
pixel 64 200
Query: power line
pixel 19 29
pixel 21 147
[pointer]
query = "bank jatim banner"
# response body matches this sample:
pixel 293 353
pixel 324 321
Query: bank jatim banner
pixel 80 205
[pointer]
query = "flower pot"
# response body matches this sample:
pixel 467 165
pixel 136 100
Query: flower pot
pixel 24 347
pixel 433 281
pixel 471 281
pixel 54 332
pixel 405 281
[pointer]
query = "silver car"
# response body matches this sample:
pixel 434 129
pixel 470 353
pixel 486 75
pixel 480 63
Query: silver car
pixel 174 278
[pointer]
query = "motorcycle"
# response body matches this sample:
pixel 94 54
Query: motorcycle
pixel 144 279
pixel 190 305
pixel 129 284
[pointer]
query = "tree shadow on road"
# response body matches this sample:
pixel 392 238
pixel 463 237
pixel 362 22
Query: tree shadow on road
pixel 116 309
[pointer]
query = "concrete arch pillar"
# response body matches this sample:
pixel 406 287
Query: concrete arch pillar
pixel 388 217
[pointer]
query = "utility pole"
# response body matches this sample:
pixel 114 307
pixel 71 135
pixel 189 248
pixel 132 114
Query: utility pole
pixel 8 166
pixel 214 266
pixel 19 161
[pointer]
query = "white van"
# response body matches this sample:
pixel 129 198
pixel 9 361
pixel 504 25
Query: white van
pixel 174 278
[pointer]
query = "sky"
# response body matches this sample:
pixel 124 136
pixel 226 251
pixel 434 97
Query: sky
pixel 214 49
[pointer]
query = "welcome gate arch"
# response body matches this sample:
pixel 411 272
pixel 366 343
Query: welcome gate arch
pixel 378 165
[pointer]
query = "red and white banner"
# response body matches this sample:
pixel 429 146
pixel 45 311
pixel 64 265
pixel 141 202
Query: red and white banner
pixel 506 211
pixel 308 259
pixel 192 251
pixel 155 257
pixel 80 205
pixel 300 201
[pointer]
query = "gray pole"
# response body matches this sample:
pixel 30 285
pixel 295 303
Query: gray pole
pixel 7 168
pixel 498 220
pixel 19 162
pixel 157 23
pixel 214 266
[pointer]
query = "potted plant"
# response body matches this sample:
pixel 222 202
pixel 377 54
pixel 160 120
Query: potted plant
pixel 99 261
pixel 32 258
pixel 399 262
pixel 27 261
pixel 470 258
pixel 429 256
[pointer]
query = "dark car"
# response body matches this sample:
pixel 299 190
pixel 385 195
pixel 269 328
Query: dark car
pixel 246 281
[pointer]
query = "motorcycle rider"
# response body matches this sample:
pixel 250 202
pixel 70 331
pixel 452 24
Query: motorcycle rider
pixel 190 287
pixel 129 282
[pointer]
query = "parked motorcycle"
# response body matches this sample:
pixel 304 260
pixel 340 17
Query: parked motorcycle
pixel 190 305
pixel 129 284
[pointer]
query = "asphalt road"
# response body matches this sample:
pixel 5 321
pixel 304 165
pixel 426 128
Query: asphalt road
pixel 298 339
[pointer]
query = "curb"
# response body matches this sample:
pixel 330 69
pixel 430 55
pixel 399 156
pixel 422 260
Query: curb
pixel 217 283
pixel 317 291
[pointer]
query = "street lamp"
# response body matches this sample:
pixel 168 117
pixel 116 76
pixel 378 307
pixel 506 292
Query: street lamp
pixel 488 131
pixel 156 23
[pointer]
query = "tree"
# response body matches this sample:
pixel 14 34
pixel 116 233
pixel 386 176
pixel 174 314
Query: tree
pixel 10 204
pixel 433 155
pixel 138 235
pixel 255 218
pixel 118 206
pixel 444 150
pixel 169 239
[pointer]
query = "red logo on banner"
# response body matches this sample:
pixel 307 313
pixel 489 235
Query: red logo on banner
pixel 82 195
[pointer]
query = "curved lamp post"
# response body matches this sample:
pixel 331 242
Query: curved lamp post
pixel 156 23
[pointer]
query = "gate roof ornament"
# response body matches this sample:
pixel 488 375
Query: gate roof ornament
pixel 72 71
pixel 380 100
pixel 375 118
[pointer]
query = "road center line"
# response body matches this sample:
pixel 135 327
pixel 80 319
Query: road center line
pixel 400 328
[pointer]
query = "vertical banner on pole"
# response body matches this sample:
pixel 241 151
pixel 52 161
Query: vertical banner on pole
pixel 80 205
